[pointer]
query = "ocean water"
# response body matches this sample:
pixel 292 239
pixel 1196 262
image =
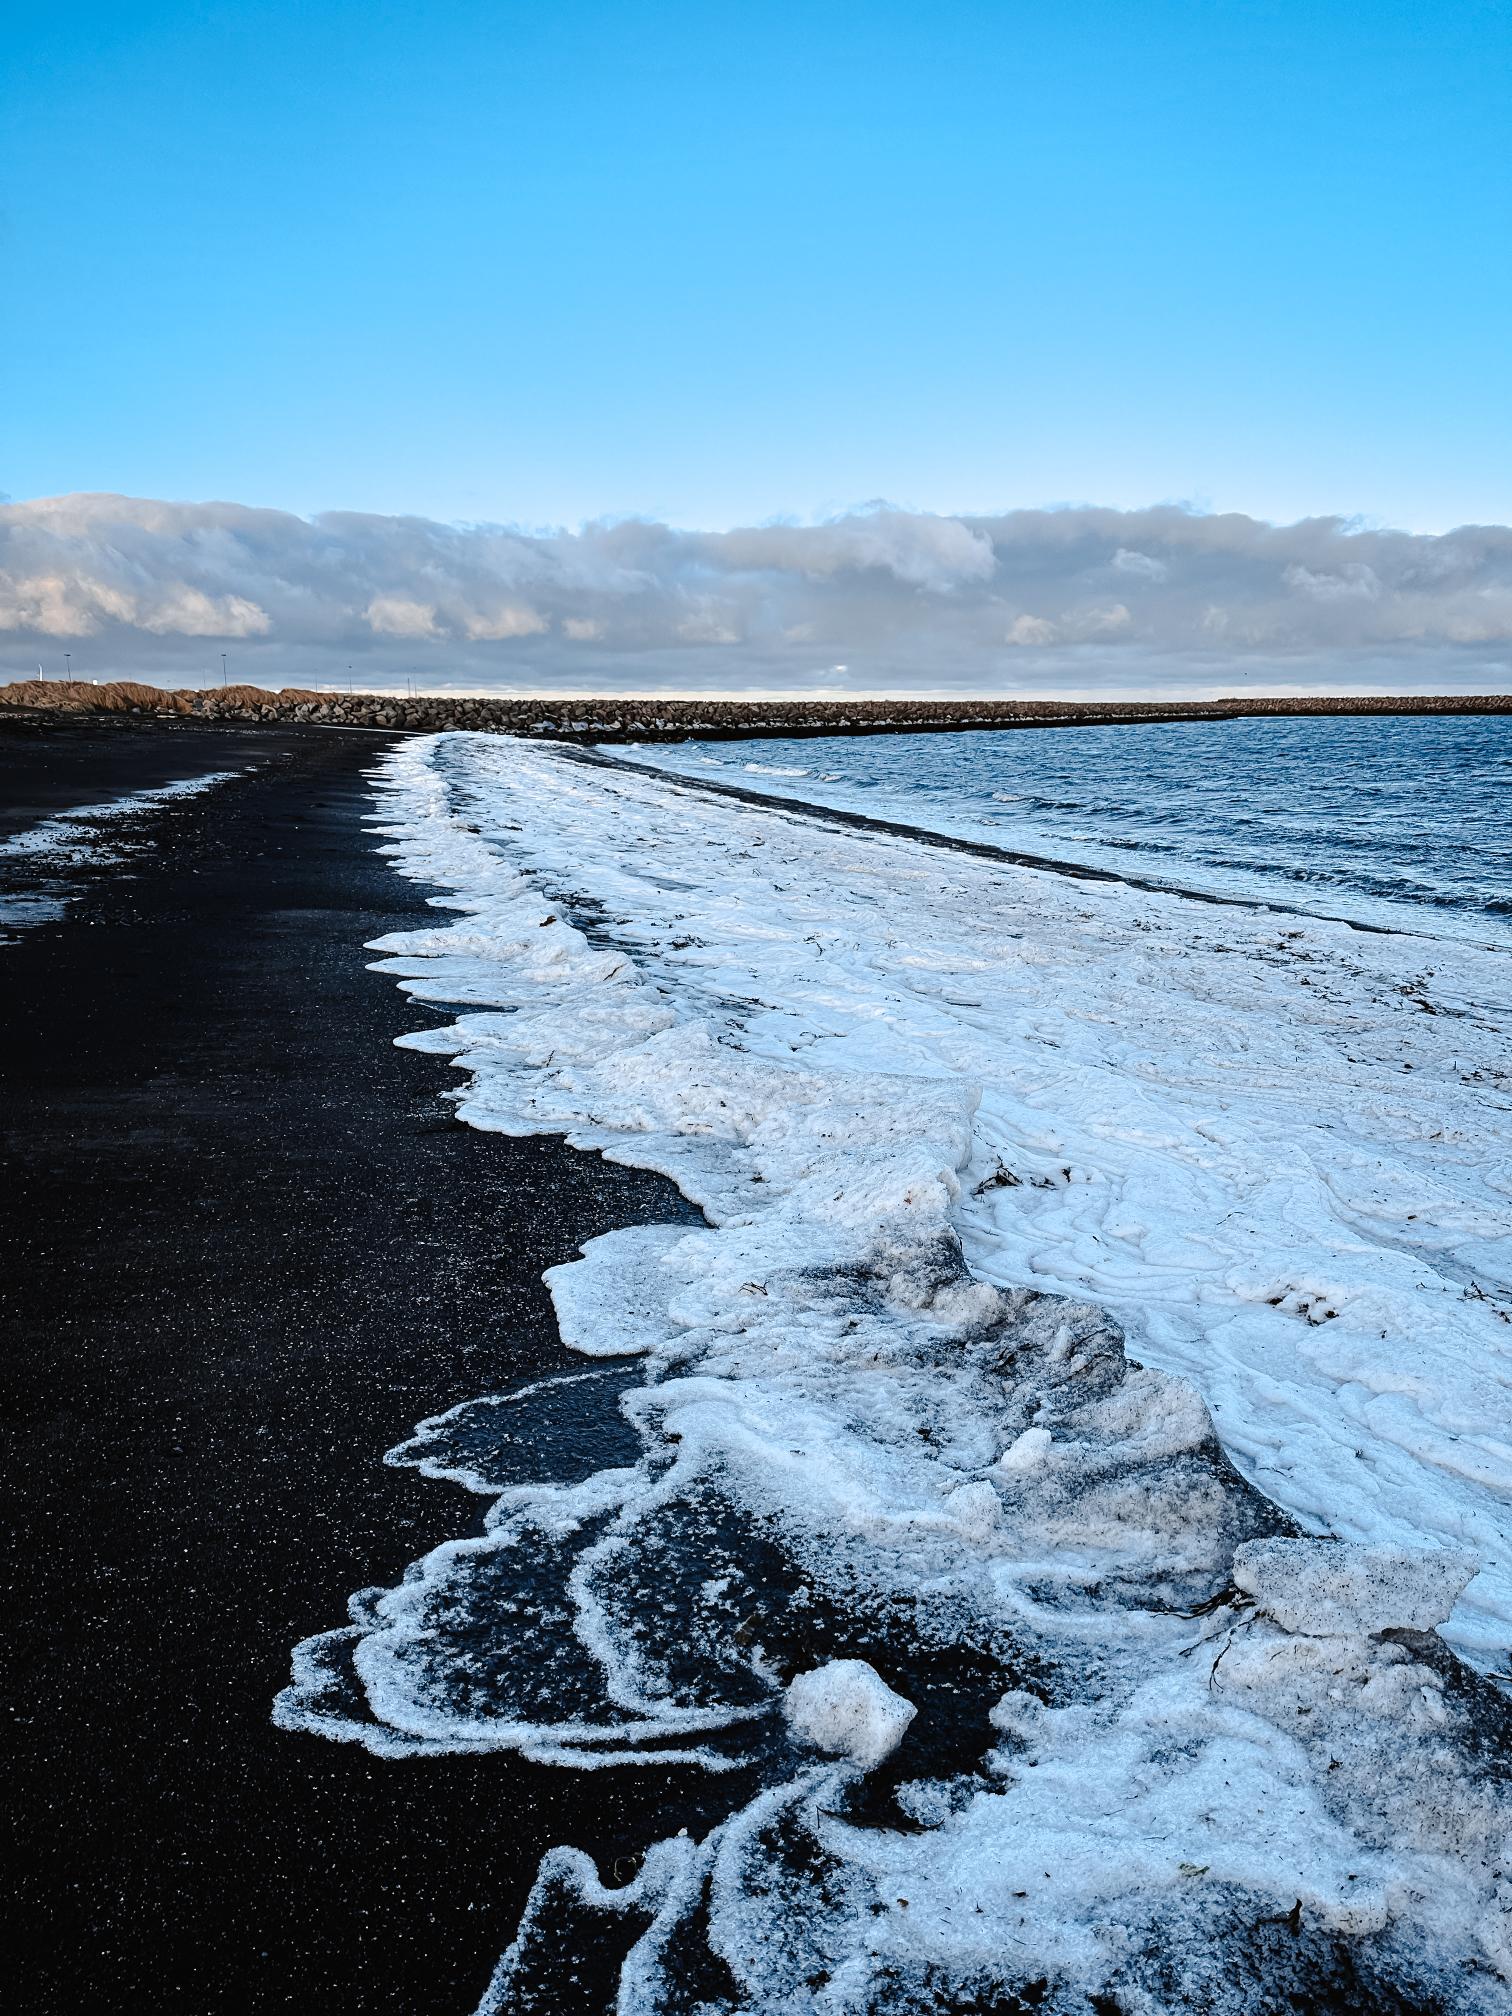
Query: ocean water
pixel 1399 822
pixel 1099 1336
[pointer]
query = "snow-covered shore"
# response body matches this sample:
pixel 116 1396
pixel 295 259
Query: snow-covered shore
pixel 1007 1175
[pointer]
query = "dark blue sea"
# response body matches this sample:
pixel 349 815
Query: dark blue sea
pixel 1399 822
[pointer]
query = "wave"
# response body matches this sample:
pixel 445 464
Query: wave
pixel 1380 814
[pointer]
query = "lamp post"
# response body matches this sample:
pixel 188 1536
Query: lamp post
pixel 223 668
pixel 68 664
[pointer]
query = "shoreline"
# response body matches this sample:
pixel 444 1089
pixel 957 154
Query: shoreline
pixel 753 948
pixel 984 850
pixel 112 734
pixel 248 1246
pixel 205 1391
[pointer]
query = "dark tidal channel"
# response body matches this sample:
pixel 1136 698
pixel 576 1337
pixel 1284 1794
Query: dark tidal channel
pixel 244 1247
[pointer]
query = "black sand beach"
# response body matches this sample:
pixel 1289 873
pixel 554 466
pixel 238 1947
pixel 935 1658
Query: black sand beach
pixel 245 1248
pixel 48 764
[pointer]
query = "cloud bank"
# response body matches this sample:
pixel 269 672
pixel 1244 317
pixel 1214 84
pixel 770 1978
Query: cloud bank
pixel 1073 600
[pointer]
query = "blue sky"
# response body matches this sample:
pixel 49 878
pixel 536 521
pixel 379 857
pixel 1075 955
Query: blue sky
pixel 715 264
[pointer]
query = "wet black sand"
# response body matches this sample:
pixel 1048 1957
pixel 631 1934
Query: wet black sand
pixel 48 766
pixel 243 1247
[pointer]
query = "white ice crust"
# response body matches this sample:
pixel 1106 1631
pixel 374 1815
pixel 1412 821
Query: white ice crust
pixel 957 1130
pixel 613 1302
pixel 1324 1590
pixel 847 1709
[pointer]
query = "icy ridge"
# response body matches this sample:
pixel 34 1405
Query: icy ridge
pixel 953 1472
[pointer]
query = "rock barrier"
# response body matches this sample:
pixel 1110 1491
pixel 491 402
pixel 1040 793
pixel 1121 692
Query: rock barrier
pixel 645 720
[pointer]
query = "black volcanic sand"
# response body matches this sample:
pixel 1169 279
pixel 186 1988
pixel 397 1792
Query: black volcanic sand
pixel 246 1245
pixel 49 766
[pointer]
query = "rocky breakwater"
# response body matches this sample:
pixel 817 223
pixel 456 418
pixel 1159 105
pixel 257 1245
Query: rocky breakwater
pixel 666 720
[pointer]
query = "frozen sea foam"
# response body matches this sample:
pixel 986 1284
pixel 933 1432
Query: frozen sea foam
pixel 1006 1186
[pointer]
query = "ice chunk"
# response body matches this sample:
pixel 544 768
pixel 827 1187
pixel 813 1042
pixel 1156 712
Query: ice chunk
pixel 1027 1453
pixel 1330 1588
pixel 1018 1714
pixel 978 1509
pixel 1161 1415
pixel 847 1708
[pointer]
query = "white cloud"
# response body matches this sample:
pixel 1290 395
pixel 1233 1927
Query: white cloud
pixel 1353 582
pixel 81 605
pixel 903 598
pixel 190 612
pixel 1104 621
pixel 1127 561
pixel 51 605
pixel 513 620
pixel 397 616
pixel 917 549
